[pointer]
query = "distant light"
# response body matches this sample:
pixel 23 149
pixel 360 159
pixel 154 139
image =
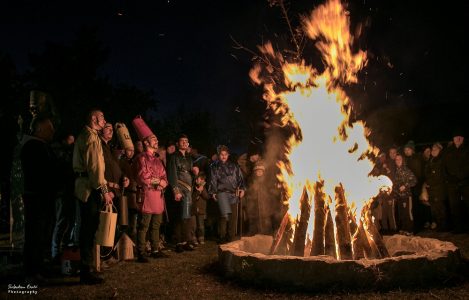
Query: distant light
pixel 120 14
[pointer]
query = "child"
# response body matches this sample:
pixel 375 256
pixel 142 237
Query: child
pixel 199 207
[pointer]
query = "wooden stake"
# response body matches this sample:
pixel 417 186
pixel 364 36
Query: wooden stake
pixel 317 247
pixel 279 234
pixel 329 237
pixel 374 235
pixel 302 225
pixel 342 224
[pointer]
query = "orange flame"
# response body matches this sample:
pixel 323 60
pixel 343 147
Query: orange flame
pixel 329 147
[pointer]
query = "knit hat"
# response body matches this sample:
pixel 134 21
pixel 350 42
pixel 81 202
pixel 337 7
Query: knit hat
pixel 457 132
pixel 142 129
pixel 124 136
pixel 410 144
pixel 438 145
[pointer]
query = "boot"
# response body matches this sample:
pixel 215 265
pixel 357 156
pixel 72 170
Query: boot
pixel 222 230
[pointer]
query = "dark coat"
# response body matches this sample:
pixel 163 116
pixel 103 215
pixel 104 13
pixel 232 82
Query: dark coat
pixel 456 165
pixel 225 177
pixel 199 201
pixel 39 165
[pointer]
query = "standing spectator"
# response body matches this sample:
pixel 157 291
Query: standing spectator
pixel 151 176
pixel 171 148
pixel 415 163
pixel 226 187
pixel 383 208
pixel 391 162
pixel 260 201
pixel 112 172
pixel 403 182
pixel 126 164
pixel 65 203
pixel 91 188
pixel 456 168
pixel 435 184
pixel 138 147
pixel 199 207
pixel 427 154
pixel 180 178
pixel 39 169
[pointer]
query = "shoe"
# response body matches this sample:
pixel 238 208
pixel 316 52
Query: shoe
pixel 427 225
pixel 188 247
pixel 202 242
pixel 90 278
pixel 433 226
pixel 142 259
pixel 159 254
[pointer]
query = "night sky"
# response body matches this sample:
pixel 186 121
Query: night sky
pixel 414 86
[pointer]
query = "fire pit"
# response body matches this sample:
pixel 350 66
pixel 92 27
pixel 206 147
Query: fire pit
pixel 413 261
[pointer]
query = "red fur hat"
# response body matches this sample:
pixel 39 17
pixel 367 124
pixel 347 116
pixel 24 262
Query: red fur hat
pixel 142 129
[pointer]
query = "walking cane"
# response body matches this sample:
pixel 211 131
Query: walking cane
pixel 240 213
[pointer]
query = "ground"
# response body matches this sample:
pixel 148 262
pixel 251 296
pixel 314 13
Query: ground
pixel 195 275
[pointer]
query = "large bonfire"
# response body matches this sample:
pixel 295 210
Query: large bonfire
pixel 328 155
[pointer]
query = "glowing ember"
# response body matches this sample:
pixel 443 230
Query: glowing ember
pixel 326 147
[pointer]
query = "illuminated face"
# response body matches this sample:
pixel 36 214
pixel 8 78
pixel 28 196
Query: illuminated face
pixel 427 152
pixel 458 140
pixel 107 132
pixel 408 151
pixel 253 158
pixel 259 172
pixel 199 180
pixel 152 142
pixel 224 156
pixel 171 149
pixel 399 160
pixel 70 140
pixel 129 153
pixel 183 144
pixel 98 120
pixel 139 146
pixel 392 153
pixel 435 151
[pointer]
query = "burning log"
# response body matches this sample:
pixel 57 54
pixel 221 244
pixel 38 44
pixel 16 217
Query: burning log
pixel 360 245
pixel 374 237
pixel 329 238
pixel 357 238
pixel 301 225
pixel 280 234
pixel 342 224
pixel 317 247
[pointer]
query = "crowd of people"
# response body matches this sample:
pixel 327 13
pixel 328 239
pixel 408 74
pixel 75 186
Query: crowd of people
pixel 430 189
pixel 67 182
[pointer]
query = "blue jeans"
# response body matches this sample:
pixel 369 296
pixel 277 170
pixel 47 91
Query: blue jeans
pixel 225 200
